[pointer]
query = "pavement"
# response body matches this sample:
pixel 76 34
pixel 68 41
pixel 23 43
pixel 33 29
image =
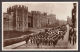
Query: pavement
pixel 14 45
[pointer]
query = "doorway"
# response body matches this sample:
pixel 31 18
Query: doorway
pixel 30 21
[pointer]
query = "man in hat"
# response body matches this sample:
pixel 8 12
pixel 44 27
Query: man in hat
pixel 74 22
pixel 74 15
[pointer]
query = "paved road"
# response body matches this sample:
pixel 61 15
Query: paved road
pixel 62 44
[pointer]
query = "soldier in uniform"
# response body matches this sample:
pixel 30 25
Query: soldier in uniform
pixel 74 15
pixel 74 22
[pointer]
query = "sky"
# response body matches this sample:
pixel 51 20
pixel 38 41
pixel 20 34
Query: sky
pixel 61 9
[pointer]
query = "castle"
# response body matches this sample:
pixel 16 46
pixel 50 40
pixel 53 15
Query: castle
pixel 20 19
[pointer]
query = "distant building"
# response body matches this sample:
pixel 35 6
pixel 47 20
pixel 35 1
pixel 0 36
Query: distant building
pixel 51 18
pixel 44 20
pixel 36 16
pixel 69 20
pixel 62 22
pixel 7 21
pixel 22 19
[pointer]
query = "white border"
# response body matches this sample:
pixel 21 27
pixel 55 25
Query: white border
pixel 43 49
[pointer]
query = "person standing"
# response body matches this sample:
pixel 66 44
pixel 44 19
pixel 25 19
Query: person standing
pixel 74 15
pixel 74 22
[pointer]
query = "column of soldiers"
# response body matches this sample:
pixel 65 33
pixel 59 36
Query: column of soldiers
pixel 49 37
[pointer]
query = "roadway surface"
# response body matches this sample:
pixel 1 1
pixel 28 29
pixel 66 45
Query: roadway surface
pixel 62 44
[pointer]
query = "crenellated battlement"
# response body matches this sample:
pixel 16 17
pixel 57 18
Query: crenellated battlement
pixel 17 8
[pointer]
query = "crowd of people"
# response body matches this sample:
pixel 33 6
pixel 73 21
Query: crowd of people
pixel 49 37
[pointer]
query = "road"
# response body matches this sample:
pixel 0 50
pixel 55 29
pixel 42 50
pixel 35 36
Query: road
pixel 62 44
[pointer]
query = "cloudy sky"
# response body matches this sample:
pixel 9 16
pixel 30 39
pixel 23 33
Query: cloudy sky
pixel 60 9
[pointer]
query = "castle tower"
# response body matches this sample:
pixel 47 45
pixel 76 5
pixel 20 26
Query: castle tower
pixel 21 18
